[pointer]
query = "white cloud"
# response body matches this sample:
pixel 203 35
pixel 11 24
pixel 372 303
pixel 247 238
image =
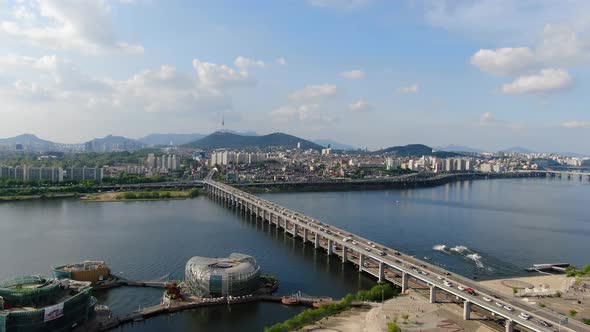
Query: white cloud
pixel 360 106
pixel 166 90
pixel 163 89
pixel 311 92
pixel 545 81
pixel 244 63
pixel 307 113
pixel 83 26
pixel 64 74
pixel 341 4
pixel 214 76
pixel 503 61
pixel 558 47
pixel 281 61
pixel 23 13
pixel 576 124
pixel 414 88
pixel 561 46
pixel 504 20
pixel 355 74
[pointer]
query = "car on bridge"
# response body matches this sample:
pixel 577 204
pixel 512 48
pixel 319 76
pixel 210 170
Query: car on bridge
pixel 524 316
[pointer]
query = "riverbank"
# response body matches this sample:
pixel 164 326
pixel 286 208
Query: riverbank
pixel 557 293
pixel 412 312
pixel 402 182
pixel 126 196
pixel 37 197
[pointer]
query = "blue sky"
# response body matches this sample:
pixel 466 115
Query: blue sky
pixel 371 73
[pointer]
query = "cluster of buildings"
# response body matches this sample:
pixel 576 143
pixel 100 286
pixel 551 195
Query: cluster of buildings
pixel 98 145
pixel 51 174
pixel 227 157
pixel 39 147
pixel 158 164
pixel 297 165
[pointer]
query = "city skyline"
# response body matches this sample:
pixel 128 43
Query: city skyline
pixel 364 72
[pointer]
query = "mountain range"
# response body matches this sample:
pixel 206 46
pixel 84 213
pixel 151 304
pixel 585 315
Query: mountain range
pixel 415 150
pixel 234 139
pixel 333 144
pixel 224 139
pixel 168 139
pixel 458 148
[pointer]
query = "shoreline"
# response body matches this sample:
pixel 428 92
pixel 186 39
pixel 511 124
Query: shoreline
pixel 557 292
pixel 38 197
pixel 130 196
pixel 362 185
pixel 411 312
pixel 367 185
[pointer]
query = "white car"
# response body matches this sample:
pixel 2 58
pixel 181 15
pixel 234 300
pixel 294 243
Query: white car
pixel 440 278
pixel 487 299
pixel 524 316
pixel 508 308
pixel 381 253
pixel 461 287
pixel 448 284
pixel 499 304
pixel 368 249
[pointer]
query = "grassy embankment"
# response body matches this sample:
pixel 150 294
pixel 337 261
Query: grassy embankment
pixel 309 316
pixel 141 195
pixel 12 198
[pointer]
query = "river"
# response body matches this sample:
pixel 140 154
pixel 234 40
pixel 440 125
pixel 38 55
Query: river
pixel 483 229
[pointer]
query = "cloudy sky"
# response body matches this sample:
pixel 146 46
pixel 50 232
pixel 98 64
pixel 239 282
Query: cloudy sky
pixel 371 73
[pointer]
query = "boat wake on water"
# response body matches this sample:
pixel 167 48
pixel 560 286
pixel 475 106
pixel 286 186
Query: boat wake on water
pixel 440 247
pixel 464 252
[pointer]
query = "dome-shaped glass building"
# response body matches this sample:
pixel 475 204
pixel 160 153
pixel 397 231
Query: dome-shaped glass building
pixel 236 275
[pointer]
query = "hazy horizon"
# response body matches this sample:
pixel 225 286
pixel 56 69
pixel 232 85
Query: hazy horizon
pixel 369 73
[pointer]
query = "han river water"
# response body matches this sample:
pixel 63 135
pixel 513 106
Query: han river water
pixel 483 229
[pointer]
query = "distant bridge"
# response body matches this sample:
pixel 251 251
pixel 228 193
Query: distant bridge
pixel 388 264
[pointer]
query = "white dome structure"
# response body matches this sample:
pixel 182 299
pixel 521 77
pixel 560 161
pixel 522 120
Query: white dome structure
pixel 236 275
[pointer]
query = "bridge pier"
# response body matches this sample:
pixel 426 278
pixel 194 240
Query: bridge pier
pixel 432 294
pixel 361 262
pixel 316 241
pixel 284 224
pixel 381 272
pixel 294 230
pixel 330 245
pixel 305 239
pixel 344 254
pixel 404 281
pixel 467 310
pixel 509 326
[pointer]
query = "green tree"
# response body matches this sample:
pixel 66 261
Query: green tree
pixel 393 327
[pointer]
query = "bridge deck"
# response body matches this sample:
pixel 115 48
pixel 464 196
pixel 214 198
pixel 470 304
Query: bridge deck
pixel 386 263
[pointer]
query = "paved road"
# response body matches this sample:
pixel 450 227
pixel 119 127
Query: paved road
pixel 432 275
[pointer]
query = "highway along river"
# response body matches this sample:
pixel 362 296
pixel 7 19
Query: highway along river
pixel 481 229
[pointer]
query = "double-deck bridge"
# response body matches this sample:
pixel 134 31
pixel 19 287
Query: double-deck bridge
pixel 388 264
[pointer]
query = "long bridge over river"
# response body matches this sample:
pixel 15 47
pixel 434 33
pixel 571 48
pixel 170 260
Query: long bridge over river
pixel 388 264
